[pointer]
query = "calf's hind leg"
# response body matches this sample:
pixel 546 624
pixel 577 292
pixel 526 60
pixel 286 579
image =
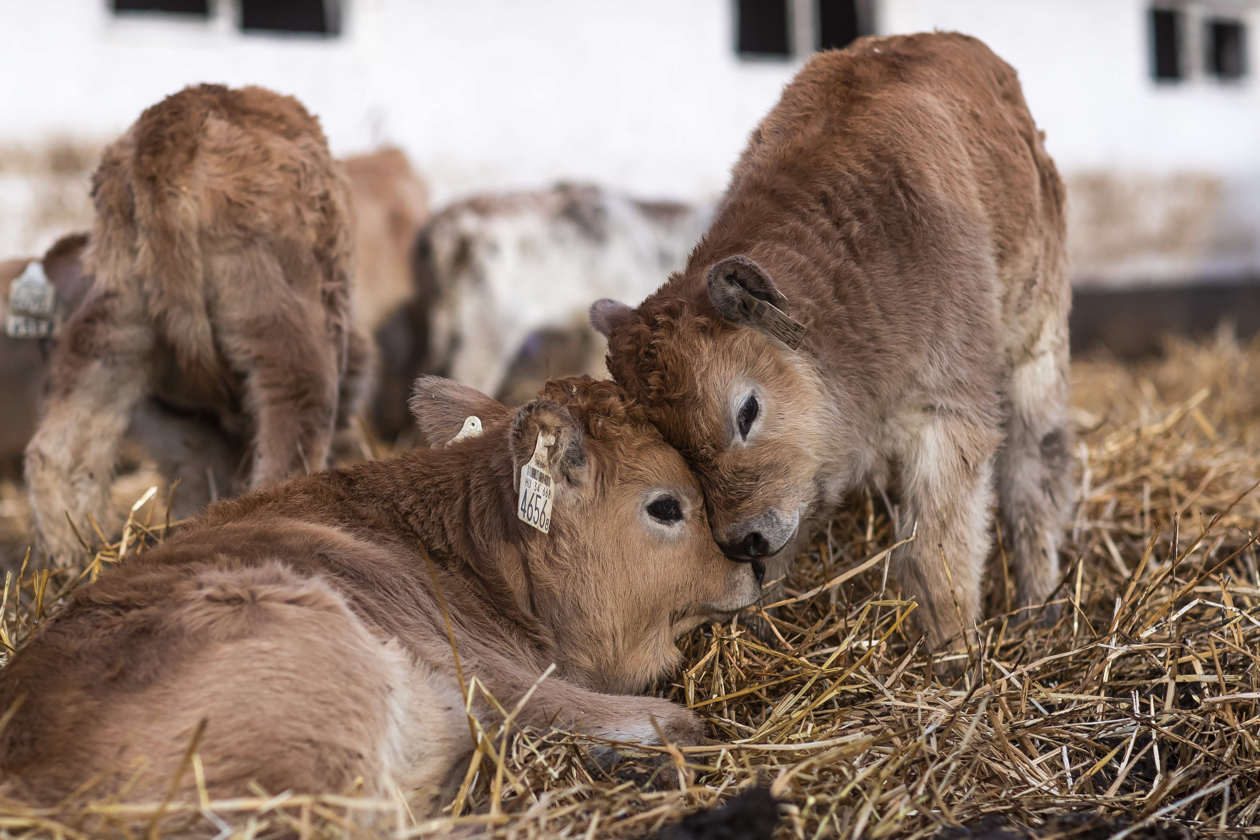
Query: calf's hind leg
pixel 1034 468
pixel 98 374
pixel 198 460
pixel 277 337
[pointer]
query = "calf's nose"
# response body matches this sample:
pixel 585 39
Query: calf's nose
pixel 748 547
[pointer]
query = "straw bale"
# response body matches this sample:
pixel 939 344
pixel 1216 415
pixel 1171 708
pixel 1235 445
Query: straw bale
pixel 1136 715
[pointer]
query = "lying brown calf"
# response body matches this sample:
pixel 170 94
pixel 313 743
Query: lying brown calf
pixel 899 204
pixel 221 256
pixel 303 622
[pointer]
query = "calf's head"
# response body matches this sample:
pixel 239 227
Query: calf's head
pixel 627 562
pixel 744 409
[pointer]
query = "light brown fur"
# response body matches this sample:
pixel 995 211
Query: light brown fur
pixel 302 621
pixel 221 255
pixel 391 203
pixel 898 202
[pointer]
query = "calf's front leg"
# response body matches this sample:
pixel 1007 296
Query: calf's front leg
pixel 557 702
pixel 98 374
pixel 947 495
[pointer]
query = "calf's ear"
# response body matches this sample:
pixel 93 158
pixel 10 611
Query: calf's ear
pixel 733 275
pixel 563 442
pixel 608 315
pixel 63 263
pixel 441 406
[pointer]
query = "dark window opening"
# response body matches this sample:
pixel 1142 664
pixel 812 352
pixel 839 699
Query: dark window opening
pixel 839 24
pixel 1226 49
pixel 1166 41
pixel 762 27
pixel 317 17
pixel 201 8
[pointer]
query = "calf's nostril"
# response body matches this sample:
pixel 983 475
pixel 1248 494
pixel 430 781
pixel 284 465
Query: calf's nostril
pixel 748 547
pixel 760 546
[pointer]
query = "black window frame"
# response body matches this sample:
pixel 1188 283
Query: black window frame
pixel 1167 30
pixel 753 41
pixel 189 9
pixel 1217 28
pixel 265 17
pixel 839 23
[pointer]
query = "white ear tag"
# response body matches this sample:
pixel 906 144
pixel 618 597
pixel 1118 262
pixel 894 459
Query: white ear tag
pixel 472 428
pixel 537 487
pixel 31 304
pixel 774 320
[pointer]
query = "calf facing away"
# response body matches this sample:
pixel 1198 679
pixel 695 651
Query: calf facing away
pixel 221 259
pixel 303 622
pixel 898 202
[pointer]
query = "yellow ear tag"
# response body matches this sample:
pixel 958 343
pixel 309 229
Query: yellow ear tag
pixel 472 428
pixel 537 487
pixel 773 320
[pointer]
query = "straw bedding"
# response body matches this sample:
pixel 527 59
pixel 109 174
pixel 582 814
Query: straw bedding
pixel 1136 715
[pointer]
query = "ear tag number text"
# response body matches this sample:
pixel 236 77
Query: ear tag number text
pixel 533 507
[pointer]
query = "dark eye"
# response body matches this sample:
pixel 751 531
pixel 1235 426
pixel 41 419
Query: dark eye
pixel 665 509
pixel 747 415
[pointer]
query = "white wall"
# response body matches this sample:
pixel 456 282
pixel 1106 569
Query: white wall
pixel 482 93
pixel 1164 179
pixel 648 95
pixel 1085 68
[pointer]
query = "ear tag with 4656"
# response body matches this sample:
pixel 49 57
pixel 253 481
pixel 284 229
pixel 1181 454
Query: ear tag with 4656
pixel 538 488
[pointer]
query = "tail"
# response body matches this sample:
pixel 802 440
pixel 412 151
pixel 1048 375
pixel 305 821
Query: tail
pixel 172 271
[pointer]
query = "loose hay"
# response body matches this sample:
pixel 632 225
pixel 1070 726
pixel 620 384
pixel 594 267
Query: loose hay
pixel 1141 705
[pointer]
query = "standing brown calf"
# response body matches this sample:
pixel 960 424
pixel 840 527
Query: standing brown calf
pixel 898 202
pixel 302 622
pixel 221 255
pixel 391 203
pixel 23 360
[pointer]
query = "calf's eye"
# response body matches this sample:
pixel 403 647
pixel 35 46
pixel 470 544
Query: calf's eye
pixel 748 415
pixel 665 509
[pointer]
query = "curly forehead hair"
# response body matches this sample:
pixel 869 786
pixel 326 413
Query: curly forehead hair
pixel 647 357
pixel 603 407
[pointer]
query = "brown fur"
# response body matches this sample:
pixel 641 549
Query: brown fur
pixel 898 202
pixel 221 255
pixel 302 623
pixel 391 203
